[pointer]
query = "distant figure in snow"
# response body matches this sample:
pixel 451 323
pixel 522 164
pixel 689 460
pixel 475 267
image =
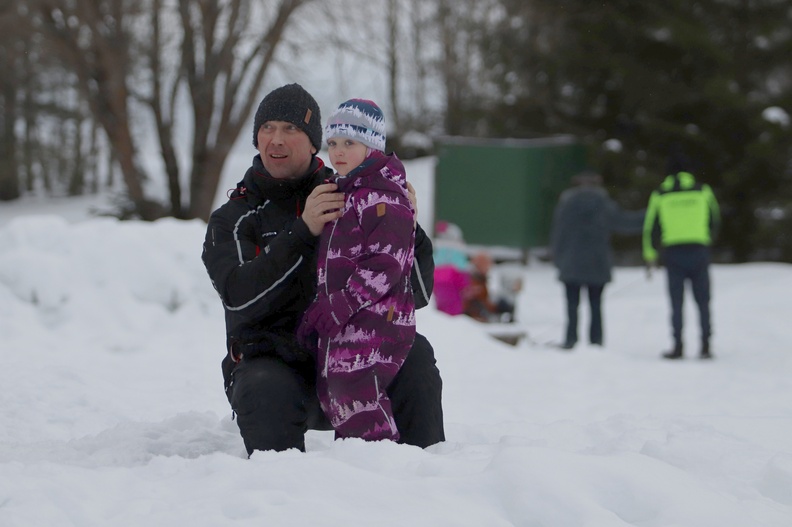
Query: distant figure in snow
pixel 682 219
pixel 479 303
pixel 583 221
pixel 452 268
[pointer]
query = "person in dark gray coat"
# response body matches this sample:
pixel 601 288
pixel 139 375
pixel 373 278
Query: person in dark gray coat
pixel 583 221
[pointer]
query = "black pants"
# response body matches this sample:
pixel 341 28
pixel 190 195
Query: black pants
pixel 594 293
pixel 276 403
pixel 688 263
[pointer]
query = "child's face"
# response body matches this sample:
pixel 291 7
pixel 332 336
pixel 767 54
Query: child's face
pixel 345 154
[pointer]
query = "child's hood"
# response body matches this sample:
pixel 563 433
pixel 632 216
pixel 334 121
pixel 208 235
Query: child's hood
pixel 388 166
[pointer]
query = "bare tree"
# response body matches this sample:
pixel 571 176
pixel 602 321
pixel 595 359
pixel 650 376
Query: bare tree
pixel 123 51
pixel 93 39
pixel 392 22
pixel 9 182
pixel 462 25
pixel 223 57
pixel 400 48
pixel 421 100
pixel 423 35
pixel 38 103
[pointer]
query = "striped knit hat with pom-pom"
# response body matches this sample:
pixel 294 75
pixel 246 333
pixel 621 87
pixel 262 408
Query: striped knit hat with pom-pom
pixel 360 120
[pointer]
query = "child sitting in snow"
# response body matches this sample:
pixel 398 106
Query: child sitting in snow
pixel 363 318
pixel 452 268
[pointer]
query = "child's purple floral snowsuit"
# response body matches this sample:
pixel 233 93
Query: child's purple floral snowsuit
pixel 364 313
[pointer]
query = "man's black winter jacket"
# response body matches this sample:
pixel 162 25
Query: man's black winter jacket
pixel 261 258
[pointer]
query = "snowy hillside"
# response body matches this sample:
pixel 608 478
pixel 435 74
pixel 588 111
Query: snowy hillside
pixel 113 411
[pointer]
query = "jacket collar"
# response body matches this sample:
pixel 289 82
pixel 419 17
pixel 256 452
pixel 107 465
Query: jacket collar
pixel 373 165
pixel 262 185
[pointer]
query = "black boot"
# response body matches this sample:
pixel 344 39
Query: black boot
pixel 675 353
pixel 705 350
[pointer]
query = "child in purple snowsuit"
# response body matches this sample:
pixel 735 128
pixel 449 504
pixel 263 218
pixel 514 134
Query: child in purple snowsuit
pixel 363 317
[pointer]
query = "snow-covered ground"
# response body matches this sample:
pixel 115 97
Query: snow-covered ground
pixel 112 410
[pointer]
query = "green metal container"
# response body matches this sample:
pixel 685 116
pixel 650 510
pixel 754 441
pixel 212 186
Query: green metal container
pixel 502 192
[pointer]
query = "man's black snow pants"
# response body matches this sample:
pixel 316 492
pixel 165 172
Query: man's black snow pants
pixel 688 262
pixel 276 403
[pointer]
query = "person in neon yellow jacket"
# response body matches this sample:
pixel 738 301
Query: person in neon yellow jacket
pixel 681 220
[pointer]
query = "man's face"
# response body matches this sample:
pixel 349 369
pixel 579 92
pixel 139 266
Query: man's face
pixel 285 149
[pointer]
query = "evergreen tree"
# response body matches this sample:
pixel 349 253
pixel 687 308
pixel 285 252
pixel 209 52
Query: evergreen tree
pixel 656 76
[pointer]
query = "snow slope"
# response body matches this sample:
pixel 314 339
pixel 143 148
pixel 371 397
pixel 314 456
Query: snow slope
pixel 112 410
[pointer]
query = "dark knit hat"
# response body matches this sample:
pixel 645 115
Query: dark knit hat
pixel 290 103
pixel 360 120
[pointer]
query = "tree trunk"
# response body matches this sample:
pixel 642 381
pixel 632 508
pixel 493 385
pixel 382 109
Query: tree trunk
pixel 224 84
pixel 9 177
pixel 9 181
pixel 204 180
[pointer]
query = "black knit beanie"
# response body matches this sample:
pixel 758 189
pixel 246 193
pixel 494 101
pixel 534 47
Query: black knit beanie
pixel 290 103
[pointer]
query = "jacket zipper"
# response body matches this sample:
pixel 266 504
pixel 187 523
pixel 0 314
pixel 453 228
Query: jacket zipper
pixel 327 293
